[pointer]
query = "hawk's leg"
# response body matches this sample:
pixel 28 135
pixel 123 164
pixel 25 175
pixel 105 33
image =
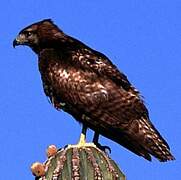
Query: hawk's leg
pixel 82 140
pixel 96 142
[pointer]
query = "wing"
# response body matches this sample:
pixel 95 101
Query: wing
pixel 92 60
pixel 123 118
pixel 125 111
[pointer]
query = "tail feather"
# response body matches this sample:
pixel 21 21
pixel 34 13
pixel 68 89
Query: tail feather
pixel 142 138
pixel 154 142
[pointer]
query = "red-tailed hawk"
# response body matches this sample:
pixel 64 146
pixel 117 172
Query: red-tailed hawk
pixel 87 85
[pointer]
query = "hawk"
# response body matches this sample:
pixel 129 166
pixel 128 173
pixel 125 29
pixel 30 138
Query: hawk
pixel 87 85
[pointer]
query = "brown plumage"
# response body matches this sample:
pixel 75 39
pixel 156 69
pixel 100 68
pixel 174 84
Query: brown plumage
pixel 84 83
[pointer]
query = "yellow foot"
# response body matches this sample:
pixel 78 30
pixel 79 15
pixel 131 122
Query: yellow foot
pixel 81 143
pixel 82 140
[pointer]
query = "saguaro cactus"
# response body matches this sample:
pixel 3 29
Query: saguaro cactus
pixel 77 163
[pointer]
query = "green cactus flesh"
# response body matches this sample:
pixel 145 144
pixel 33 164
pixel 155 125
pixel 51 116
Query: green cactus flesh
pixel 81 163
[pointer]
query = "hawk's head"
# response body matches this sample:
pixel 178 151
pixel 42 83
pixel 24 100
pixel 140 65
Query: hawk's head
pixel 40 35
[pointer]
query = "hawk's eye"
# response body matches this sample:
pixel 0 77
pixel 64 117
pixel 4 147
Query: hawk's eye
pixel 28 33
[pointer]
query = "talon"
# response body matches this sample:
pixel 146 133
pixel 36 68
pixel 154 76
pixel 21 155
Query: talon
pixel 64 147
pixel 106 149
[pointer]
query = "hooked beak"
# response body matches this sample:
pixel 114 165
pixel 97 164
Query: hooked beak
pixel 20 40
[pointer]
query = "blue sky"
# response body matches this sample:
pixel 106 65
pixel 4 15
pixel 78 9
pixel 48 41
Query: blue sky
pixel 142 37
